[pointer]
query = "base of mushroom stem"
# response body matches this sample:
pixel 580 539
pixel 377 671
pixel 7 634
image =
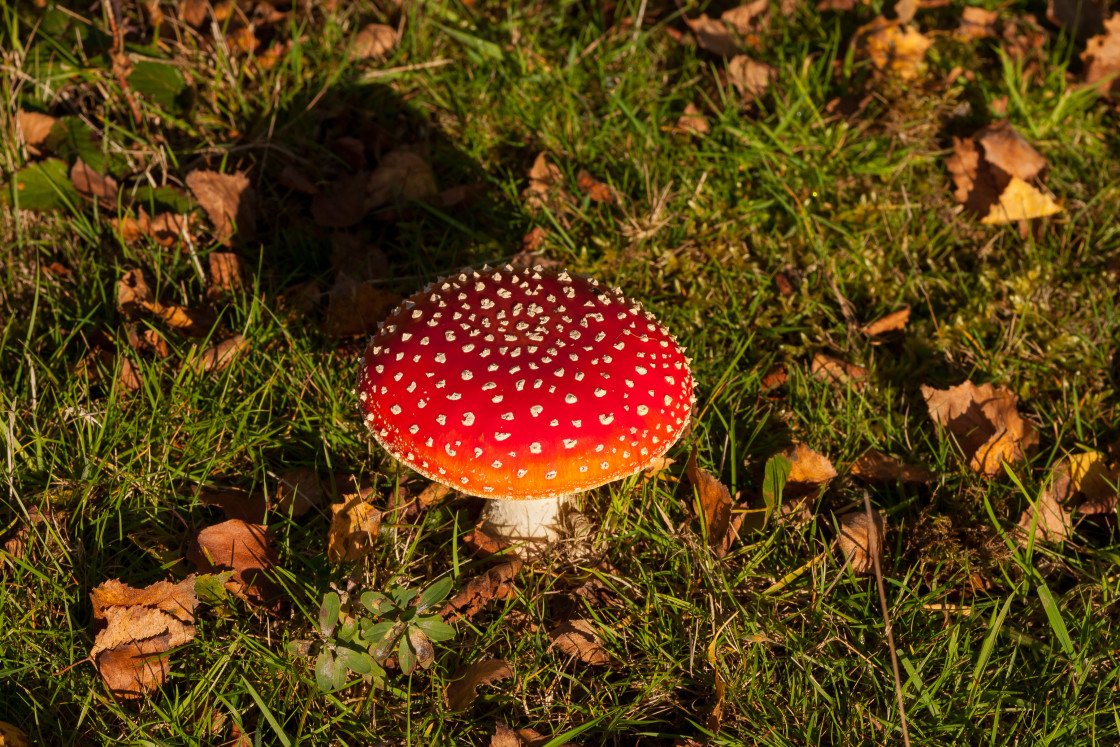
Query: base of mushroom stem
pixel 532 522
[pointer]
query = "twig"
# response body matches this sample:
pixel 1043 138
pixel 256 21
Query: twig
pixel 887 624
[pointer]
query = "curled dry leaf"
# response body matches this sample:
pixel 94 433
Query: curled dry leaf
pixel 355 307
pixel 354 529
pixel 1102 57
pixel 976 23
pixel 1084 483
pixel 298 491
pixel 463 688
pixel 893 47
pixel 861 539
pixel 495 583
pixel 227 271
pixel 774 378
pixel 482 543
pixel 401 177
pixel 892 322
pixel 35 128
pixel 92 184
pixel 750 77
pixel 875 466
pixel 216 357
pixel 244 548
pixel 138 628
pixel 715 504
pixel 836 371
pixel 985 422
pixel 579 639
pixel 373 41
pixel 229 201
pixel 693 121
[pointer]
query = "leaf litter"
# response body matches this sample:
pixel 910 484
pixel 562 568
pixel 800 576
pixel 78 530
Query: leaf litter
pixel 985 423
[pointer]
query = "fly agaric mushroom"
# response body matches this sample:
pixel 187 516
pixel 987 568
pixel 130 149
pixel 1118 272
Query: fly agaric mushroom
pixel 524 387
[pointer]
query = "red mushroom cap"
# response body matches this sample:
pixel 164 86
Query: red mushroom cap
pixel 523 384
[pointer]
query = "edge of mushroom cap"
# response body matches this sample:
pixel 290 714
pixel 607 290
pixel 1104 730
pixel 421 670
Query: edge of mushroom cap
pixel 656 452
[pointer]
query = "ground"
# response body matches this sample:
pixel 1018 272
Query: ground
pixel 207 208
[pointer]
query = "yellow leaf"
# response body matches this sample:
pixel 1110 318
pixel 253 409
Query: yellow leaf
pixel 1020 201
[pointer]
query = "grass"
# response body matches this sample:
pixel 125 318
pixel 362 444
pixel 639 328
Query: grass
pixel 997 644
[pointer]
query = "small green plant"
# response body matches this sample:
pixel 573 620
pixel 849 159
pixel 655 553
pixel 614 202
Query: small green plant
pixel 356 643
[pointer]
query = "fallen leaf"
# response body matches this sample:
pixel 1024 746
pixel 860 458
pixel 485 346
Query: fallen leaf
pixel 976 23
pixel 1102 57
pixel 354 528
pixel 168 229
pixel 297 181
pixel 432 494
pixel 298 491
pixel 128 375
pixel 494 584
pixel 774 378
pixel 373 41
pixel 244 548
pixel 1020 201
pixel 1084 18
pixel 693 121
pixel 229 201
pixel 985 422
pixel 461 196
pixel 840 5
pixel 227 272
pixel 1084 484
pixel 544 184
pixel 132 229
pixel 92 184
pixel 861 540
pixel 342 203
pixel 194 12
pixel 355 308
pixel 893 47
pixel 713 35
pixel 401 177
pixel 216 357
pixel 748 18
pixel 1005 149
pixel 482 543
pixel 835 371
pixel 463 688
pixel 875 466
pixel 10 736
pixel 138 628
pixel 750 78
pixel 17 542
pixel 235 504
pixel 505 737
pixel 892 322
pixel 355 255
pixel 656 467
pixel 808 467
pixel 715 504
pixel 579 639
pixel 530 243
pixel 598 191
pixel 35 128
pixel 905 10
pixel 1096 481
pixel 133 293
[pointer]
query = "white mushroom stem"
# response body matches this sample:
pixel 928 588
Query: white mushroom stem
pixel 532 522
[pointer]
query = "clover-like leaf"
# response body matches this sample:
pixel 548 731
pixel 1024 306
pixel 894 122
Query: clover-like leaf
pixel 358 662
pixel 328 613
pixel 434 594
pixel 402 596
pixel 406 657
pixel 435 628
pixel 348 630
pixel 325 667
pixel 377 603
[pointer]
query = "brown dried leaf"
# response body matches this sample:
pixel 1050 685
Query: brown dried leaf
pixel 875 466
pixel 545 188
pixel 92 184
pixel 893 47
pixel 713 35
pixel 229 201
pixel 132 229
pixel 373 41
pixel 401 177
pixel 168 229
pixel 463 688
pixel 836 371
pixel 598 191
pixel 750 78
pixel 808 467
pixel 482 543
pixel 860 540
pixel 10 736
pixel 986 423
pixel 433 494
pixel 139 627
pixel 244 548
pixel 355 255
pixel 1102 57
pixel 976 23
pixel 194 12
pixel 227 271
pixel 892 322
pixel 236 504
pixel 774 378
pixel 354 529
pixel 128 375
pixel 579 639
pixel 356 308
pixel 989 170
pixel 748 18
pixel 693 121
pixel 1084 483
pixel 495 583
pixel 35 128
pixel 505 737
pixel 296 180
pixel 342 203
pixel 715 505
pixel 133 293
pixel 1007 150
pixel 298 491
pixel 905 10
pixel 216 357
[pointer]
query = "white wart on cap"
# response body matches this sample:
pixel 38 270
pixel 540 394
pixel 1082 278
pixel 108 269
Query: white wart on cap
pixel 524 384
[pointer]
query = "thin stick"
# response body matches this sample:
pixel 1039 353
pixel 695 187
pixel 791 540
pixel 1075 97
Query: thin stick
pixel 887 622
